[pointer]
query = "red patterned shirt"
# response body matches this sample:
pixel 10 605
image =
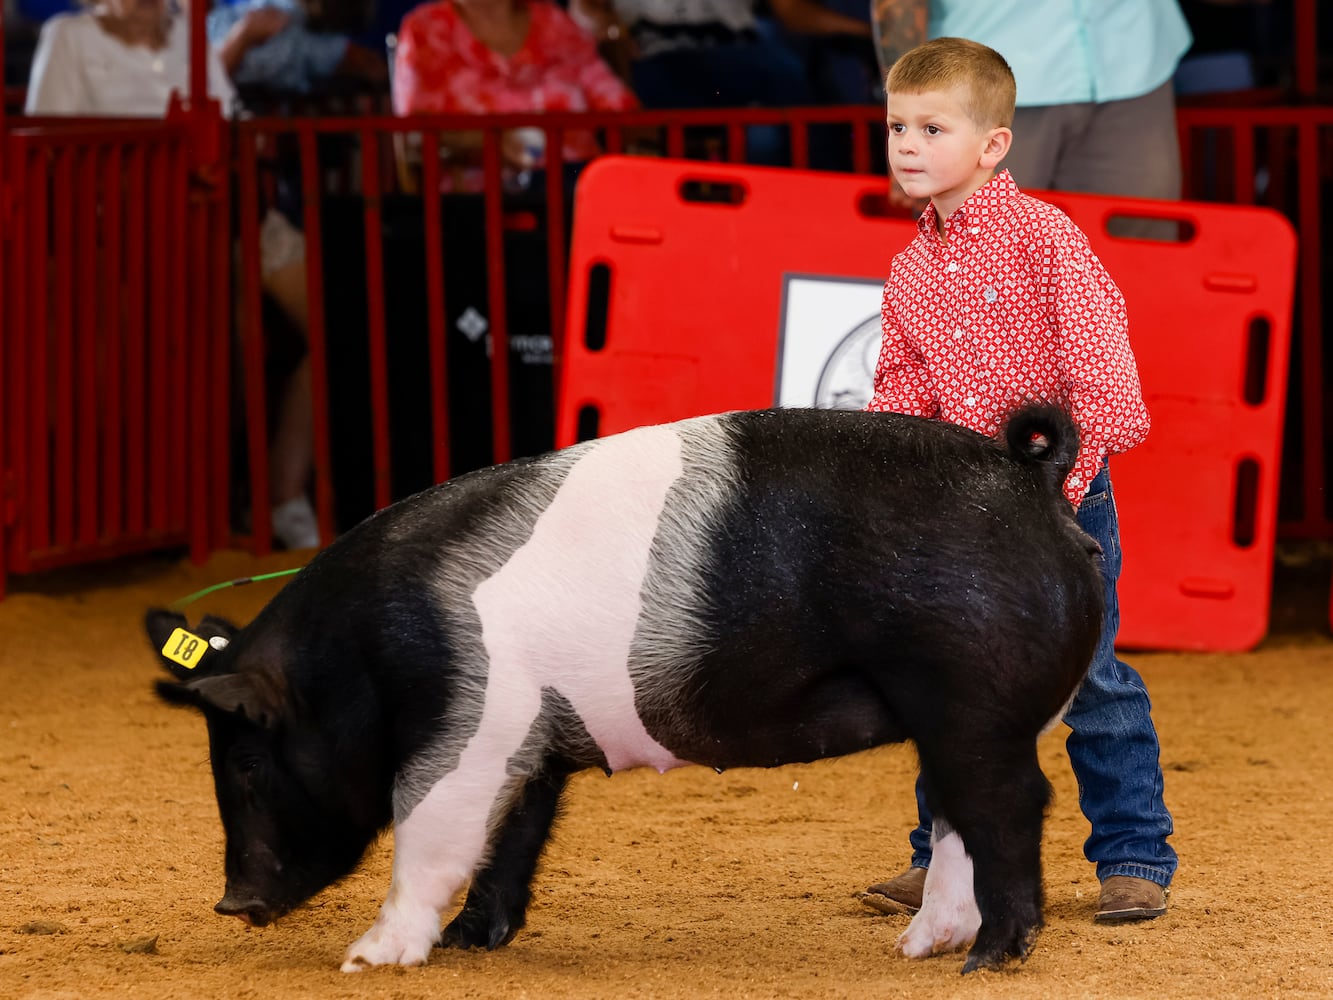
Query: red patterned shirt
pixel 1014 307
pixel 440 67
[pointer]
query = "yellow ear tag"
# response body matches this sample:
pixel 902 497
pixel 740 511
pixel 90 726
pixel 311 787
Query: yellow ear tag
pixel 185 648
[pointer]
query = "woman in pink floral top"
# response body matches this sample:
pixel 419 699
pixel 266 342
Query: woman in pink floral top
pixel 483 56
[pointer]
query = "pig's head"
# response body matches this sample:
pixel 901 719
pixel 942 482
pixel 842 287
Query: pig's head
pixel 297 811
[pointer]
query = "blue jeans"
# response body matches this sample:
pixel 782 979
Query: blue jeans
pixel 1112 743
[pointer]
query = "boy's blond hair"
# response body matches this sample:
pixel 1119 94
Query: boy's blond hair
pixel 944 63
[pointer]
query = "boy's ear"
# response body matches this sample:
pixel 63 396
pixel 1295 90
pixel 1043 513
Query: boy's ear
pixel 998 141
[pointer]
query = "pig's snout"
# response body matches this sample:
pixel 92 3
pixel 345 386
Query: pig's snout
pixel 253 910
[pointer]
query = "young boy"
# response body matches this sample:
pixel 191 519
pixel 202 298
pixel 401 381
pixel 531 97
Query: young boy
pixel 1000 299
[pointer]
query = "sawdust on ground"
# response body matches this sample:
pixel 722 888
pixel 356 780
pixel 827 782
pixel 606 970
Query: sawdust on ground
pixel 686 885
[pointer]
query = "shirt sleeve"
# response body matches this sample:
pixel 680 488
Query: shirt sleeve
pixel 1102 377
pixel 220 20
pixel 902 380
pixel 605 90
pixel 602 89
pixel 411 57
pixel 56 85
pixel 220 87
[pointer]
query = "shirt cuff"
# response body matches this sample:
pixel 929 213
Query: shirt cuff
pixel 1080 477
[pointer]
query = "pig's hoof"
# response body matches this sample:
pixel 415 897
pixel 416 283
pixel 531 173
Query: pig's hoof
pixel 475 929
pixel 380 946
pixel 977 961
pixel 994 951
pixel 933 932
pixel 984 959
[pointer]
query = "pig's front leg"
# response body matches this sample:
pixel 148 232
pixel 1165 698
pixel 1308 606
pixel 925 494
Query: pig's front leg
pixel 423 885
pixel 439 845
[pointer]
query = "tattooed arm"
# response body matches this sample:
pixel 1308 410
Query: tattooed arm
pixel 809 17
pixel 897 25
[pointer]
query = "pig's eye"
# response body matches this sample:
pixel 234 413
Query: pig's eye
pixel 247 766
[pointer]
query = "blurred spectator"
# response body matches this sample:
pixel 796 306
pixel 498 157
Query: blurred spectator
pixel 841 67
pixel 268 44
pixel 712 54
pixel 1238 44
pixel 125 58
pixel 482 56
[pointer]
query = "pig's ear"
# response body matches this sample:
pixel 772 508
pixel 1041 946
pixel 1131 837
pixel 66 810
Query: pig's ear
pixel 160 624
pixel 244 694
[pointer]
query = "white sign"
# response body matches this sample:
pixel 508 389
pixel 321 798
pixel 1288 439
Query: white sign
pixel 828 341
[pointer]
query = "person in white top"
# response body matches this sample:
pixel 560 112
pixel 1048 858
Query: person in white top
pixel 124 59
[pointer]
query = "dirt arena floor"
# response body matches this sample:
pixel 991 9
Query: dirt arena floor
pixel 685 885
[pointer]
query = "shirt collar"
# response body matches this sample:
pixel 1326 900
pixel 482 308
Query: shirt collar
pixel 985 203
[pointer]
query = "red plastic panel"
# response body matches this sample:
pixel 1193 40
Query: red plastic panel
pixel 677 276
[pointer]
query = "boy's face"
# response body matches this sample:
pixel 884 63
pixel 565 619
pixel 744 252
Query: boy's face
pixel 937 151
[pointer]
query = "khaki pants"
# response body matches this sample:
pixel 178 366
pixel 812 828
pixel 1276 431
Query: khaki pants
pixel 1127 147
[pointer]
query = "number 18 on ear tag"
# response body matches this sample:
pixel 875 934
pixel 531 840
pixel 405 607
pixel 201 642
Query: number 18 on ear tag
pixel 185 648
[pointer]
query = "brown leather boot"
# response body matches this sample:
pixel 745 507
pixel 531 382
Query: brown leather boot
pixel 900 894
pixel 1125 898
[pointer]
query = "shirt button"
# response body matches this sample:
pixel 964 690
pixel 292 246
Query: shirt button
pixel 953 266
pixel 958 335
pixel 970 401
pixel 974 230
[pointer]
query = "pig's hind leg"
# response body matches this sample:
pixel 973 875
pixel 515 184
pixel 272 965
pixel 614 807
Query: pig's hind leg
pixel 948 918
pixel 497 900
pixel 994 795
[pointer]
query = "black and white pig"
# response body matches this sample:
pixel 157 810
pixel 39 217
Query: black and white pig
pixel 747 589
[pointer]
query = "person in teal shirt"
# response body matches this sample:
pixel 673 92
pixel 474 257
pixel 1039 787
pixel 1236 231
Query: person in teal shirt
pixel 1095 105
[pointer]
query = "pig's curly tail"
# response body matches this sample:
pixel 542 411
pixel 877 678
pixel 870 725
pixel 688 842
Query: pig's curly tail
pixel 1044 434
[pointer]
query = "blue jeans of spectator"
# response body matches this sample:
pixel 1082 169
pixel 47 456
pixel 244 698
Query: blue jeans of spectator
pixel 840 70
pixel 1112 743
pixel 737 75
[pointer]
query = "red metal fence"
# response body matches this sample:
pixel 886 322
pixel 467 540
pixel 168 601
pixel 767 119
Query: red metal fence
pixel 115 379
pixel 1252 156
pixel 1283 158
pixel 116 396
pixel 356 166
pixel 428 312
